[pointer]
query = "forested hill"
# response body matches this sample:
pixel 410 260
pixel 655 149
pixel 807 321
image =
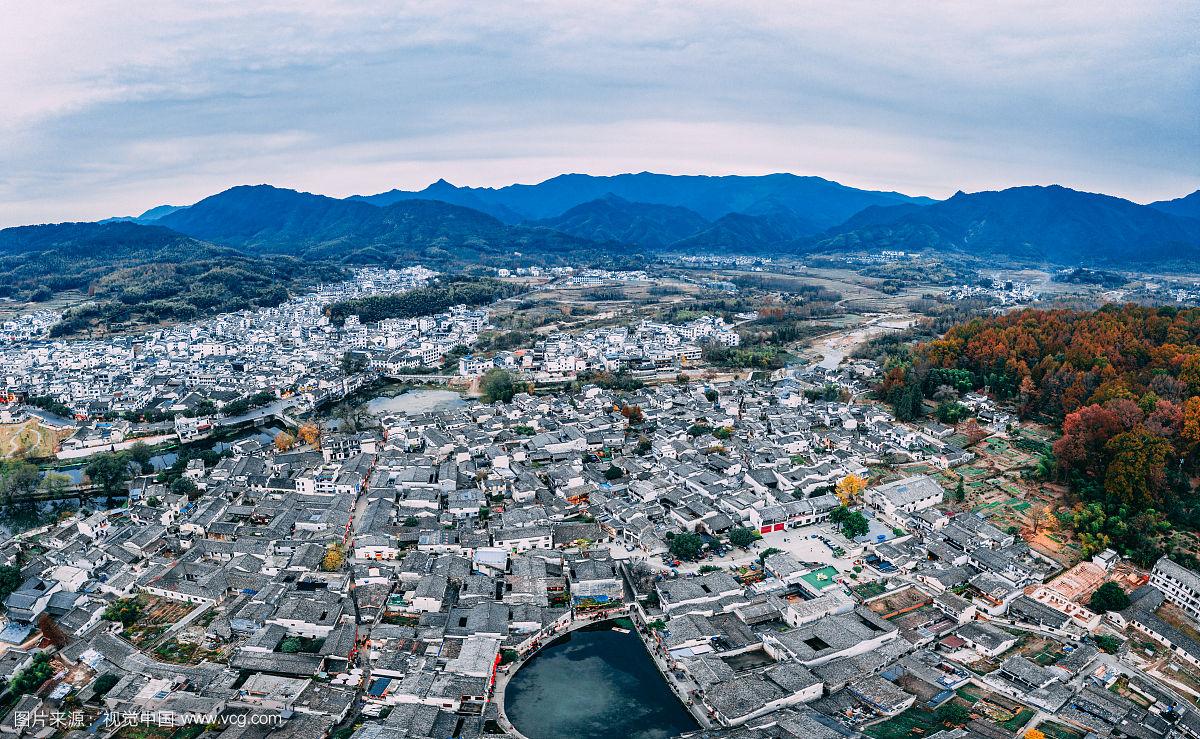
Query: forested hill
pixel 1123 382
pixel 423 301
pixel 1073 358
pixel 615 219
pixel 137 274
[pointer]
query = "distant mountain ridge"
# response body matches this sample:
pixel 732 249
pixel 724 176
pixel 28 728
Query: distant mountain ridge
pixel 269 219
pixel 582 219
pixel 1050 224
pixel 823 202
pixel 445 192
pixel 778 229
pixel 104 238
pixel 149 216
pixel 253 245
pixel 1034 223
pixel 1187 206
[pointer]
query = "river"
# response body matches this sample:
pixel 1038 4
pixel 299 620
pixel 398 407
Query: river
pixel 594 683
pixel 163 460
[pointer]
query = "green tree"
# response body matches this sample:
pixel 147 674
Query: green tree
pixel 852 524
pixel 411 521
pixel 109 472
pixel 354 362
pixel 1137 472
pixel 184 486
pixel 498 386
pixel 905 396
pixel 1108 597
pixel 953 713
pixel 32 677
pixel 687 545
pixel 1108 643
pixel 743 537
pixel 104 683
pixel 18 479
pixel 644 445
pixel 55 483
pixel 613 472
pixel 126 611
pixel 423 301
pixel 291 645
pixel 1047 467
pixel 960 490
pixel 949 411
pixel 141 454
pixel 762 556
pixel 10 580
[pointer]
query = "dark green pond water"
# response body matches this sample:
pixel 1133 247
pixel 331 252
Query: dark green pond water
pixel 594 684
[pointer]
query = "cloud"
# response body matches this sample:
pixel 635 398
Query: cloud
pixel 111 107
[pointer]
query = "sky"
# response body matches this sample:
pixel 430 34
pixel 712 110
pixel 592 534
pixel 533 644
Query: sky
pixel 110 108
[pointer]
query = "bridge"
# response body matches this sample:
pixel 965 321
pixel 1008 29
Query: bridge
pixel 421 378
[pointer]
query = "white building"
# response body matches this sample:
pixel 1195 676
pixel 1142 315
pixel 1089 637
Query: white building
pixel 905 496
pixel 1180 585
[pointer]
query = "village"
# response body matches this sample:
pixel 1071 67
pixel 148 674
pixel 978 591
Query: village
pixel 787 562
pixel 794 559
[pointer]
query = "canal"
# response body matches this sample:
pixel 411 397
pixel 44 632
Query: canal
pixel 594 683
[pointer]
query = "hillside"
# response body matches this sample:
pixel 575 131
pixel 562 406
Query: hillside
pixel 776 230
pixel 1036 224
pixel 141 274
pixel 613 218
pixel 268 219
pixel 814 199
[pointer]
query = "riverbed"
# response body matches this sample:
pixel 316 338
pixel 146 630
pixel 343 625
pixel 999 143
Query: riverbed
pixel 837 346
